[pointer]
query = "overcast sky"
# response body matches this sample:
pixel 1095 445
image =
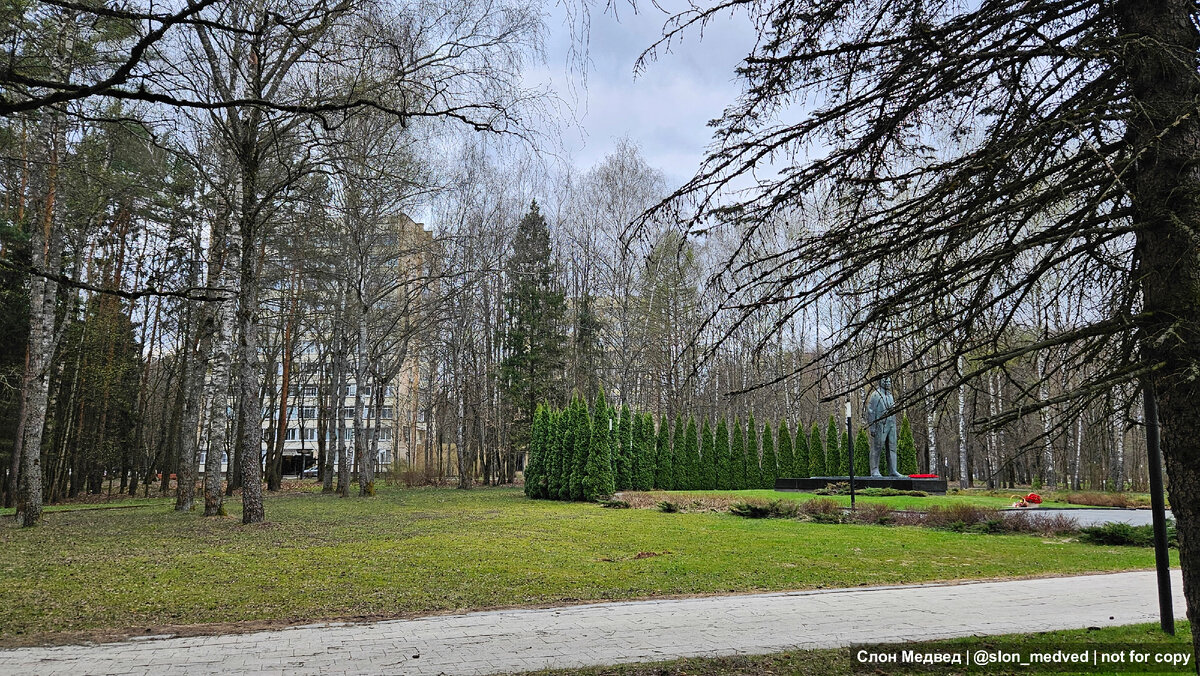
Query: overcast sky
pixel 665 109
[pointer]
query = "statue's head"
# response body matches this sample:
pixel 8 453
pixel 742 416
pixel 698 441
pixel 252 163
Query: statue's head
pixel 885 384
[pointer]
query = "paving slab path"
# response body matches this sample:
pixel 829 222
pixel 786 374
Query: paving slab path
pixel 640 631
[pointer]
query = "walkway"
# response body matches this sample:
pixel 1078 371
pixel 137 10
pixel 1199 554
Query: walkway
pixel 608 633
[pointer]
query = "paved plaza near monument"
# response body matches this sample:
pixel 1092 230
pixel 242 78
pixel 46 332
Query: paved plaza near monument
pixel 507 641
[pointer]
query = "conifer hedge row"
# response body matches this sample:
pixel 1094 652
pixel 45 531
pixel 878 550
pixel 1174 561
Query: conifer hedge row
pixel 582 453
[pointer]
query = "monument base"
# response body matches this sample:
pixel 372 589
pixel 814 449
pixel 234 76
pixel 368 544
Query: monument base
pixel 937 485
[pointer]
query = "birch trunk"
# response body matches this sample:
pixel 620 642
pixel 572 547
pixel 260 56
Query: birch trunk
pixel 964 480
pixel 1048 478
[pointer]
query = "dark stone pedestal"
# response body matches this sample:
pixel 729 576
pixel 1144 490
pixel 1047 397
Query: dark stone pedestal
pixel 937 485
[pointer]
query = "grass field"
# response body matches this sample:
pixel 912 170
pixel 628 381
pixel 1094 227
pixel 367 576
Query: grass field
pixel 820 662
pixel 429 550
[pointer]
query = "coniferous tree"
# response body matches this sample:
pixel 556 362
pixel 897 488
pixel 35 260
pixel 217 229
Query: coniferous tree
pixel 558 482
pixel 598 472
pixel 554 464
pixel 862 453
pixel 753 468
pixel 785 452
pixel 816 452
pixel 582 443
pixel 679 467
pixel 533 336
pixel 906 448
pixel 535 453
pixel 647 452
pixel 708 458
pixel 769 469
pixel 691 450
pixel 801 448
pixel 664 473
pixel 624 459
pixel 836 462
pixel 737 457
pixel 721 448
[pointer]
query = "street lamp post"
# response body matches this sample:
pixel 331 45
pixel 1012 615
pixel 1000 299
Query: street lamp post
pixel 850 447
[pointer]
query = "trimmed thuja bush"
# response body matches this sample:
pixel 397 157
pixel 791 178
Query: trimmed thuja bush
pixel 708 459
pixel 679 466
pixel 753 475
pixel 907 448
pixel 862 453
pixel 801 463
pixel 663 472
pixel 721 448
pixel 691 451
pixel 536 457
pixel 737 457
pixel 579 455
pixel 623 460
pixel 597 478
pixel 836 462
pixel 784 452
pixel 769 469
pixel 816 452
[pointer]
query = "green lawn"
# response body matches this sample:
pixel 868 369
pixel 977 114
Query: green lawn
pixel 806 662
pixel 426 550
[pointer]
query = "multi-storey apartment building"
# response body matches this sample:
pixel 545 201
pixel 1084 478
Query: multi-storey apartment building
pixel 301 384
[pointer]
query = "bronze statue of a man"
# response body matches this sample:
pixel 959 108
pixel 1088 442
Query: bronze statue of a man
pixel 882 425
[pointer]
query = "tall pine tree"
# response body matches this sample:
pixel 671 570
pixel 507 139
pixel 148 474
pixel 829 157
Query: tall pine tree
pixel 532 336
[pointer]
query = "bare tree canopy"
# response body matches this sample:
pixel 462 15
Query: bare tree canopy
pixel 952 161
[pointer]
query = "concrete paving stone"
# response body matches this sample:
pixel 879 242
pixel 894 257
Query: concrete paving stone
pixel 609 633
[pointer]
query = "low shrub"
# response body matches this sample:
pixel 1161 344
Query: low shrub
pixel 668 507
pixel 959 517
pixel 888 492
pixel 1097 499
pixel 1126 535
pixel 822 510
pixel 757 509
pixel 872 513
pixel 615 504
pixel 837 488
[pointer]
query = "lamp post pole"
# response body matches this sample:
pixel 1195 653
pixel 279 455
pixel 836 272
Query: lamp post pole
pixel 850 447
pixel 1162 557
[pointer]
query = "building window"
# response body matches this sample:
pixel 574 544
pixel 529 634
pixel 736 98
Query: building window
pixel 310 390
pixel 310 434
pixel 291 434
pixel 308 412
pixel 348 412
pixel 385 412
pixel 385 434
